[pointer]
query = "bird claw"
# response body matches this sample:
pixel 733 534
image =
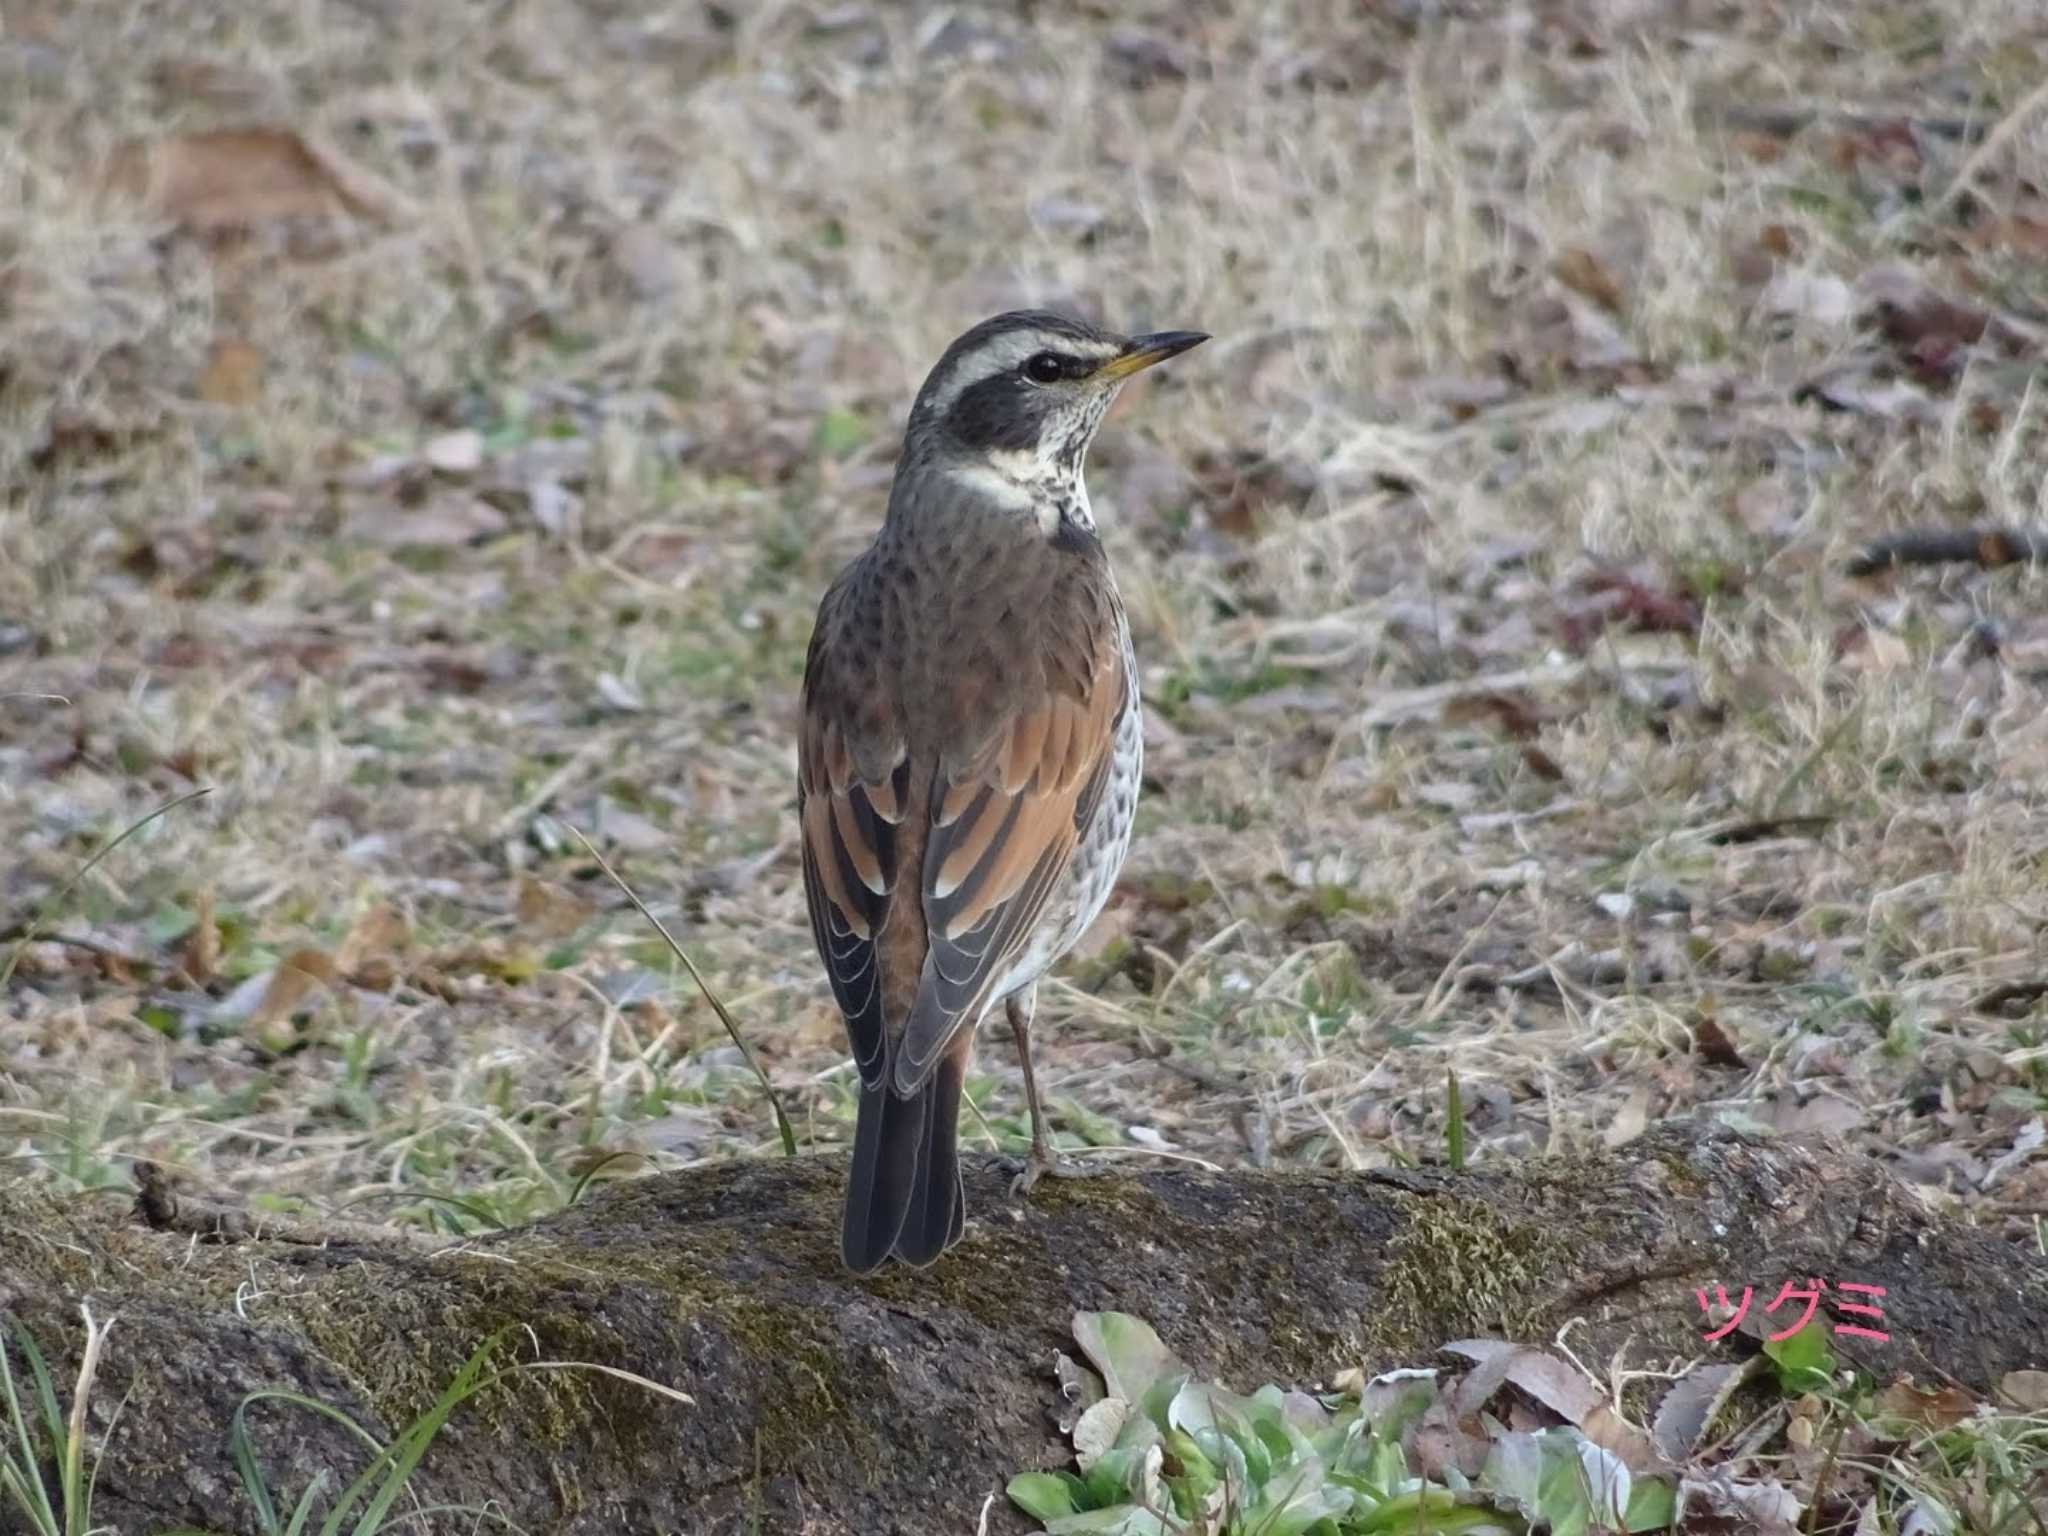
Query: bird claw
pixel 1041 1165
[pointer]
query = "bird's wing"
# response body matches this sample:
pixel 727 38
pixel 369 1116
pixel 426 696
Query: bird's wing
pixel 1003 822
pixel 850 829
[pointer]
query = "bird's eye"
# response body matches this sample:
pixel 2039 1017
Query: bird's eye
pixel 1044 368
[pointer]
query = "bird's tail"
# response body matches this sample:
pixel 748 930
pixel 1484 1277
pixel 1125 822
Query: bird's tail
pixel 903 1191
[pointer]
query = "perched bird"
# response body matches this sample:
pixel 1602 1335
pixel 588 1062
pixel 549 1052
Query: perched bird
pixel 970 750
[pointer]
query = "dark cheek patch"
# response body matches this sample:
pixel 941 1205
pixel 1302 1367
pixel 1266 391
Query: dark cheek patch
pixel 1001 412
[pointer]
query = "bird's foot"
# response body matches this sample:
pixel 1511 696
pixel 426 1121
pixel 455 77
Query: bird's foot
pixel 1043 1164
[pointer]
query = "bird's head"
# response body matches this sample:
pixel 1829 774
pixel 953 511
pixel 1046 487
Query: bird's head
pixel 1013 404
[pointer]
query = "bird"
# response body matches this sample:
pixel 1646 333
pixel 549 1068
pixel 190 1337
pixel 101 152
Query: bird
pixel 970 746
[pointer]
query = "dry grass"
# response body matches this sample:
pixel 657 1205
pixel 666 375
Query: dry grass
pixel 1510 318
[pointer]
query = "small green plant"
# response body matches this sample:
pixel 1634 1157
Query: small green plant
pixel 1803 1361
pixel 69 1511
pixel 378 1486
pixel 1160 1453
pixel 38 1438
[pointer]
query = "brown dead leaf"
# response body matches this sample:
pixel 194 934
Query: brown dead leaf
pixel 1781 240
pixel 1935 1408
pixel 1586 275
pixel 233 375
pixel 200 955
pixel 1912 313
pixel 1561 1388
pixel 1513 713
pixel 1435 1443
pixel 1713 1043
pixel 290 985
pixel 455 672
pixel 379 934
pixel 547 911
pixel 1635 599
pixel 236 177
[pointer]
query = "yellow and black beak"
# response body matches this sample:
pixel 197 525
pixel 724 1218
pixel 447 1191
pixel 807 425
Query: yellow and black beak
pixel 1141 352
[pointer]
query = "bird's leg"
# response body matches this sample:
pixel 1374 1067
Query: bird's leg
pixel 1019 1006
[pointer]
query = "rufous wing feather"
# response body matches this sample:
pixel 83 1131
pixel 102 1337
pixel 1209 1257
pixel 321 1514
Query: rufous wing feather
pixel 1004 828
pixel 849 858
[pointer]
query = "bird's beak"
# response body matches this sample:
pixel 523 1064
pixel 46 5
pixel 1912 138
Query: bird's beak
pixel 1141 352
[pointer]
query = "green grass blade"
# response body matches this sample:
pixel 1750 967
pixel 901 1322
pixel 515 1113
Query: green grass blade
pixel 241 1445
pixel 26 1496
pixel 304 1511
pixel 243 1454
pixel 300 1400
pixel 590 1174
pixel 412 1445
pixel 1454 1123
pixel 20 1473
pixel 46 1391
pixel 57 897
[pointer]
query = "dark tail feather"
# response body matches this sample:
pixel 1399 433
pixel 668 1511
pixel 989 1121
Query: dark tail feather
pixel 938 1215
pixel 882 1186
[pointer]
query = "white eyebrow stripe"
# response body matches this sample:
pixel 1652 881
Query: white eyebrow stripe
pixel 1008 351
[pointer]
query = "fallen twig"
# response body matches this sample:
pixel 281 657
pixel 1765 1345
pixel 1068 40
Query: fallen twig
pixel 1760 828
pixel 25 929
pixel 163 1208
pixel 1987 547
